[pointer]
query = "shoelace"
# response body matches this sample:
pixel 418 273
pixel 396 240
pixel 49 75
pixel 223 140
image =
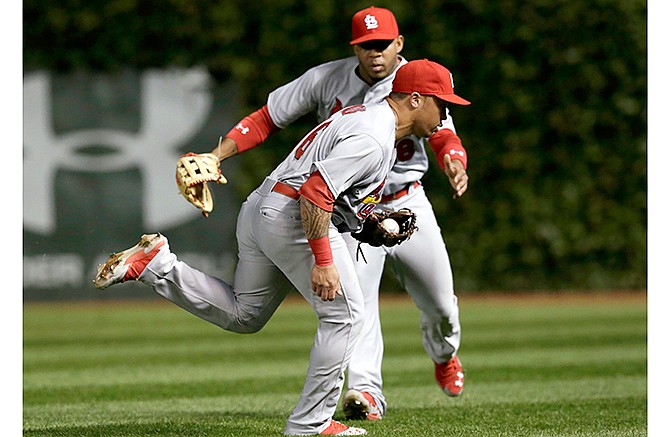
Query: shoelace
pixel 451 367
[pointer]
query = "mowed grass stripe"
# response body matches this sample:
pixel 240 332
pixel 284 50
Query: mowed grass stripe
pixel 209 343
pixel 167 369
pixel 89 413
pixel 196 352
pixel 150 390
pixel 534 364
pixel 139 321
pixel 622 383
pixel 237 399
pixel 80 357
pixel 590 418
pixel 583 418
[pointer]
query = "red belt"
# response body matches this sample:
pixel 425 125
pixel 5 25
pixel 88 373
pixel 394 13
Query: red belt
pixel 398 194
pixel 286 190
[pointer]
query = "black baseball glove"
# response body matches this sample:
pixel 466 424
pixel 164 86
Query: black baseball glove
pixel 375 233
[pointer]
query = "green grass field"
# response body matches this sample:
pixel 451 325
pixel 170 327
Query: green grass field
pixel 547 366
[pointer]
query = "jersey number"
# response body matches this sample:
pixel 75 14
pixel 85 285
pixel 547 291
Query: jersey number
pixel 405 150
pixel 310 138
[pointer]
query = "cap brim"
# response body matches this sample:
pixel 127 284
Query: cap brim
pixel 453 98
pixel 374 37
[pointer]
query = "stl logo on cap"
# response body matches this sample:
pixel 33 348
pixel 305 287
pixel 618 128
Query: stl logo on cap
pixel 371 22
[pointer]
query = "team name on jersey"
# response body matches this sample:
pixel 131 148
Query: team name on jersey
pixel 371 201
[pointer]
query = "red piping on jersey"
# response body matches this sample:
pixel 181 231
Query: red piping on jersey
pixel 253 129
pixel 446 142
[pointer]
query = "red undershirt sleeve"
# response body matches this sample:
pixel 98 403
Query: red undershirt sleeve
pixel 253 129
pixel 316 191
pixel 446 142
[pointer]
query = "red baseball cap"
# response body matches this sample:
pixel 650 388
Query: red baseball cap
pixel 427 78
pixel 373 24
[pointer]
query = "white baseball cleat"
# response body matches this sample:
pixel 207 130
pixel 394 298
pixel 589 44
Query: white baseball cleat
pixel 337 428
pixel 360 405
pixel 129 264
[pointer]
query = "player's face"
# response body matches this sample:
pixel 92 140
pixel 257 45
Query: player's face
pixel 430 117
pixel 378 59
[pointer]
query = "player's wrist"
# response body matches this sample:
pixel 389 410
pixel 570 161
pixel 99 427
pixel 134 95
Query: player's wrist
pixel 226 148
pixel 456 159
pixel 323 254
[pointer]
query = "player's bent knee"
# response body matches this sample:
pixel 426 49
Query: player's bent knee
pixel 246 323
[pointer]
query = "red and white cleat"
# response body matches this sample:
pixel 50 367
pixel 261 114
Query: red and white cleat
pixel 337 428
pixel 450 376
pixel 129 264
pixel 360 405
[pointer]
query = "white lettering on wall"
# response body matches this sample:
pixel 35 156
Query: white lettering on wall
pixel 59 270
pixel 53 271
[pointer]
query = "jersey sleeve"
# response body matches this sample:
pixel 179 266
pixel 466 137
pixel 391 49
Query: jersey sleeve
pixel 295 99
pixel 316 191
pixel 357 160
pixel 285 104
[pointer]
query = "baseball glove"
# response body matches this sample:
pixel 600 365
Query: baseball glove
pixel 376 234
pixel 193 172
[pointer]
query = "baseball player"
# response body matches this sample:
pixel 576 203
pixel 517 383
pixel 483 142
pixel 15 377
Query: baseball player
pixel 292 225
pixel 422 264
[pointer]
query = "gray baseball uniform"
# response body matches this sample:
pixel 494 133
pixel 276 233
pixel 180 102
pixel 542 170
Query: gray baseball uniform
pixel 421 264
pixel 353 151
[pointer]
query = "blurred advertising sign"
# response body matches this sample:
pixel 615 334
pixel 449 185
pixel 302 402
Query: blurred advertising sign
pixel 99 155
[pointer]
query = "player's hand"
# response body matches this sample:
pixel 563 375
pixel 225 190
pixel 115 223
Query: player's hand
pixel 457 175
pixel 326 282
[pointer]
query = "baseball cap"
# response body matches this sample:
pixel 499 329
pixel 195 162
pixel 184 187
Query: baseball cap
pixel 373 24
pixel 427 78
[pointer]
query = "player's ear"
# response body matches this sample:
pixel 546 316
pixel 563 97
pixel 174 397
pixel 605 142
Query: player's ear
pixel 415 100
pixel 399 43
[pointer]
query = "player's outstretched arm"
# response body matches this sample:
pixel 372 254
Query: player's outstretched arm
pixel 452 158
pixel 251 131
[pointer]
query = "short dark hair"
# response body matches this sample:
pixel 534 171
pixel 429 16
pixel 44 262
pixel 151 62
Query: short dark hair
pixel 397 96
